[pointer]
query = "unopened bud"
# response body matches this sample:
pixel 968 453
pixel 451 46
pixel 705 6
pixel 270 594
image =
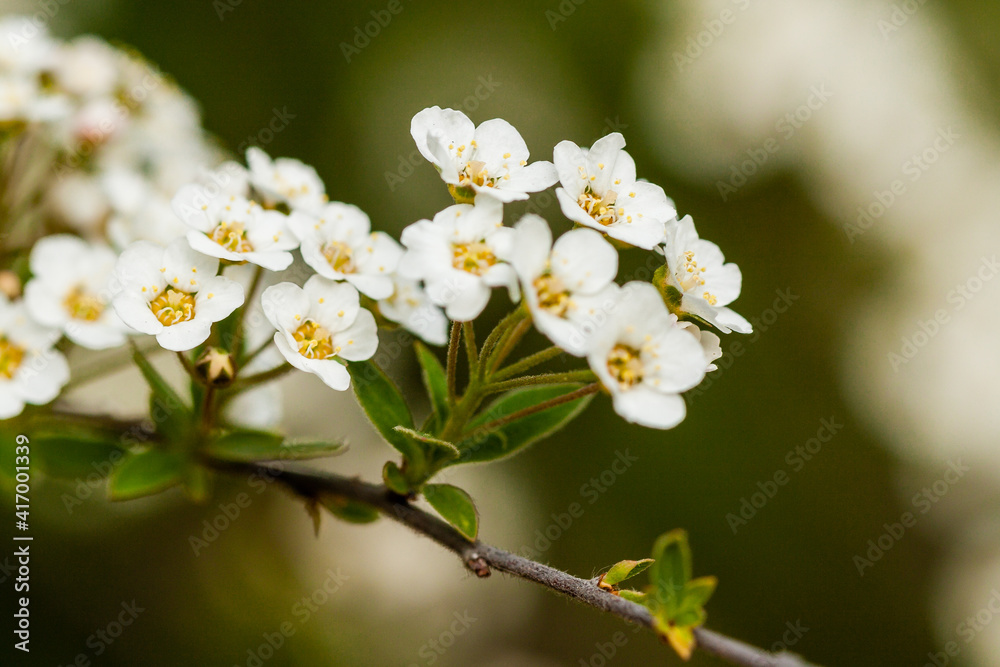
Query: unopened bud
pixel 216 367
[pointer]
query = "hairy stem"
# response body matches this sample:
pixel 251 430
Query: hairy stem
pixel 585 375
pixel 482 559
pixel 544 405
pixel 453 343
pixel 528 362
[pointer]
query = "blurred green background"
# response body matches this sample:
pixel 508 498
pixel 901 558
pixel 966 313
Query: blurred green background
pixel 790 564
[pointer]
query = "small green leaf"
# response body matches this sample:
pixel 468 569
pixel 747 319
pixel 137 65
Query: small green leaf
pixel 671 571
pixel 435 379
pixel 75 454
pixel 455 506
pixel 681 638
pixel 384 405
pixel 246 446
pixel 145 474
pixel 625 569
pixel 349 510
pixel 394 479
pixel 198 483
pixel 172 416
pixel 436 450
pixel 488 445
pixel 698 591
pixel 633 596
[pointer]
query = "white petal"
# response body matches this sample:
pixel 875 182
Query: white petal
pixel 333 305
pixel 453 124
pixel 646 407
pixel 134 311
pixel 534 177
pixel 217 299
pixel 190 204
pixel 187 268
pixel 360 340
pixel 285 305
pixel 184 335
pixel 584 261
pixel 531 247
pixel 206 246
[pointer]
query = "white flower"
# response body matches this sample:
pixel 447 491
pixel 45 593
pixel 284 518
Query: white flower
pixel 140 212
pixel 318 325
pixel 644 360
pixel 338 244
pixel 235 229
pixel 173 293
pixel 78 199
pixel 697 269
pixel 31 371
pixel 410 306
pixel 599 190
pixel 711 344
pixel 565 285
pixel 490 159
pixel 25 46
pixel 70 291
pixel 458 256
pixel 285 181
pixel 88 67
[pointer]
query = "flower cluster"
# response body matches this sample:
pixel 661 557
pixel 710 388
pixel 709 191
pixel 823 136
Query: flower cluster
pixel 144 229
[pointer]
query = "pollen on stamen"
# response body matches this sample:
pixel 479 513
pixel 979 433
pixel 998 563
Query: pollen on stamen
pixel 211 294
pixel 321 300
pixel 506 156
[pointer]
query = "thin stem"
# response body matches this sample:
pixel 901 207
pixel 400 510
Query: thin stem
pixel 207 405
pixel 259 378
pixel 98 370
pixel 482 559
pixel 507 344
pixel 470 348
pixel 585 375
pixel 256 353
pixel 456 333
pixel 189 367
pixel 544 405
pixel 528 362
pixel 497 334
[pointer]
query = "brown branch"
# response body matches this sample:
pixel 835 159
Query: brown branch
pixel 482 558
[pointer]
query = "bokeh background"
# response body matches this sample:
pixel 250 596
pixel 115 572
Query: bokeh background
pixel 842 98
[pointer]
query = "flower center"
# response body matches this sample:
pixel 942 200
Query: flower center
pixel 314 341
pixel 338 254
pixel 232 237
pixel 173 307
pixel 475 174
pixel 11 357
pixel 601 209
pixel 625 365
pixel 690 278
pixel 83 305
pixel 552 295
pixel 475 258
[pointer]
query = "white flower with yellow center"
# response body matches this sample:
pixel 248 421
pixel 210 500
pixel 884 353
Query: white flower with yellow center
pixel 567 286
pixel 235 229
pixel 410 306
pixel 600 190
pixel 644 360
pixel 285 181
pixel 337 242
pixel 459 255
pixel 173 293
pixel 698 270
pixel 490 159
pixel 70 290
pixel 710 343
pixel 319 325
pixel 31 371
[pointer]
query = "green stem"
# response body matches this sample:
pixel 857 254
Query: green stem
pixel 498 333
pixel 528 362
pixel 453 343
pixel 256 353
pixel 470 348
pixel 189 367
pixel 207 405
pixel 584 375
pixel 545 405
pixel 507 344
pixel 260 378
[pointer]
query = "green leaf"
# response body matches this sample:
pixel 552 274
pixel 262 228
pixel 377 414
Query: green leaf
pixel 698 591
pixel 145 474
pixel 172 416
pixel 75 454
pixel 435 449
pixel 489 445
pixel 633 596
pixel 384 405
pixel 681 638
pixel 455 506
pixel 435 379
pixel 394 479
pixel 625 569
pixel 671 571
pixel 349 510
pixel 247 446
